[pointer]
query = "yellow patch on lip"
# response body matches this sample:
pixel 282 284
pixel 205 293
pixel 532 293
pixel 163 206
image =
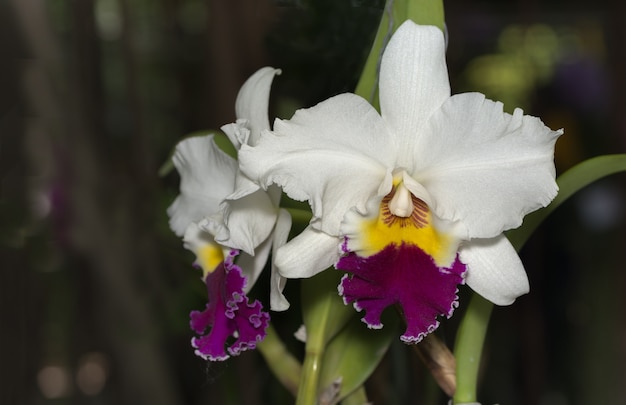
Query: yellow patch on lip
pixel 416 229
pixel 209 257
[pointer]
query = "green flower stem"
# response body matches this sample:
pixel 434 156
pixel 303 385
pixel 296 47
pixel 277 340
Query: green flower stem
pixel 283 365
pixel 469 347
pixel 308 390
pixel 324 315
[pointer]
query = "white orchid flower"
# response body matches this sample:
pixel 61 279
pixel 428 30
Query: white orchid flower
pixel 413 201
pixel 221 212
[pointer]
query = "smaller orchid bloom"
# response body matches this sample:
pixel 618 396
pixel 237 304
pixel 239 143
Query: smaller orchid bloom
pixel 224 218
pixel 411 202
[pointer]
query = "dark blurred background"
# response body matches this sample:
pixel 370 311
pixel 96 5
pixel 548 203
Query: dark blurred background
pixel 95 290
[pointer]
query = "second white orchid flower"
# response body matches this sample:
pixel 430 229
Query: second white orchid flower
pixel 221 212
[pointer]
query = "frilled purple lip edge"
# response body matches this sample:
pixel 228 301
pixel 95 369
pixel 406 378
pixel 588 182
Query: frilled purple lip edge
pixel 402 275
pixel 234 323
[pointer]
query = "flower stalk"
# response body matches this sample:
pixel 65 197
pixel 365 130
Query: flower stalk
pixel 281 362
pixel 324 315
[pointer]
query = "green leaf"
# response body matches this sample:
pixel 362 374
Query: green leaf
pixel 473 328
pixel 426 12
pixel 573 180
pixel 354 354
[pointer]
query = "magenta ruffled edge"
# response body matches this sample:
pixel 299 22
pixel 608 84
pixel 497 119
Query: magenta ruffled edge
pixel 234 324
pixel 404 276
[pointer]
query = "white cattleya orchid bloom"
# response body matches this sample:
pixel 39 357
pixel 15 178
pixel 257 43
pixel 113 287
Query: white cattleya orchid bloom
pixel 413 201
pixel 221 212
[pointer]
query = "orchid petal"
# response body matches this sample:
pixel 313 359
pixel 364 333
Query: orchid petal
pixel 248 221
pixel 253 102
pixel 237 132
pixel 207 175
pixel 413 80
pixel 278 302
pixel 494 270
pixel 483 167
pixel 315 155
pixel 252 266
pixel 307 254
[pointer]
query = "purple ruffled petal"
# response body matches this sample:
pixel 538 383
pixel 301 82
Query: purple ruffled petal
pixel 406 276
pixel 234 323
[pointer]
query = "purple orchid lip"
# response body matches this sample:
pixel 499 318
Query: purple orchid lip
pixel 406 276
pixel 234 323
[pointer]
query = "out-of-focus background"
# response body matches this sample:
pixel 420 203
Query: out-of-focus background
pixel 95 290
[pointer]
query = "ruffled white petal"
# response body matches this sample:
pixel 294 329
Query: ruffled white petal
pixel 483 167
pixel 307 254
pixel 278 302
pixel 253 101
pixel 413 80
pixel 248 221
pixel 494 270
pixel 336 155
pixel 207 176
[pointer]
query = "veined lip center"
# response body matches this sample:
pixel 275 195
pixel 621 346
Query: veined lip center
pixel 401 204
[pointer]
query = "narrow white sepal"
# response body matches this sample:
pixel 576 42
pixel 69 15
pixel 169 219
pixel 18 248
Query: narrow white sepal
pixel 253 102
pixel 278 302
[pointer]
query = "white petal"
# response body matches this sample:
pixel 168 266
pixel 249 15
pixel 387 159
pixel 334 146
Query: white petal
pixel 253 101
pixel 494 270
pixel 207 176
pixel 237 132
pixel 278 302
pixel 336 155
pixel 252 266
pixel 248 221
pixel 483 167
pixel 307 254
pixel 413 79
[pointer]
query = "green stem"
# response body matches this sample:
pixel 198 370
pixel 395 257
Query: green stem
pixel 324 315
pixel 283 364
pixel 308 390
pixel 469 347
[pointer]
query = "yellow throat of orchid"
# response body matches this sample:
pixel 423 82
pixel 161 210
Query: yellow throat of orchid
pixel 209 257
pixel 406 219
